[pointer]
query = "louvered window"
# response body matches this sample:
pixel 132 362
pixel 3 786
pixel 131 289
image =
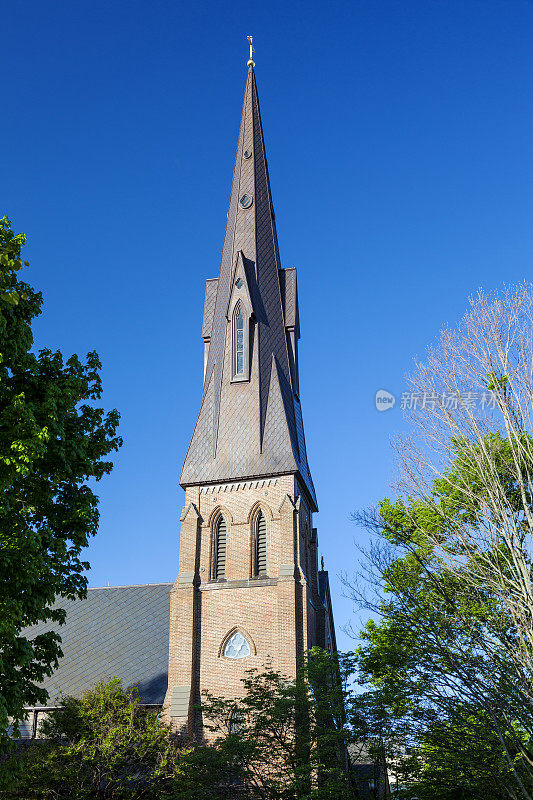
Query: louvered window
pixel 260 545
pixel 219 561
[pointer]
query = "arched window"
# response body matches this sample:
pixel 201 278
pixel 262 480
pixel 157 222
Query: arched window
pixel 236 721
pixel 240 343
pixel 237 646
pixel 260 546
pixel 219 554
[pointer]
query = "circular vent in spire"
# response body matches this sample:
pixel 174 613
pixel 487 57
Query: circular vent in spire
pixel 247 154
pixel 246 201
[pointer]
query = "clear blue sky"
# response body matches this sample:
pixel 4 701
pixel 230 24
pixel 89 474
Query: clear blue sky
pixel 399 137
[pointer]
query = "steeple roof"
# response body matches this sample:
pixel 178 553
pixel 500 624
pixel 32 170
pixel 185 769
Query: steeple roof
pixel 251 428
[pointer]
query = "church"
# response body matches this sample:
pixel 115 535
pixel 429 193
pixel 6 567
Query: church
pixel 249 591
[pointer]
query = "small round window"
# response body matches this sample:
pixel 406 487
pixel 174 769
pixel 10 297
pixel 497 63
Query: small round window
pixel 247 154
pixel 246 201
pixel 237 646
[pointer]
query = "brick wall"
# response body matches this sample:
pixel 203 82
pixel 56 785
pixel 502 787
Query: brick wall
pixel 276 613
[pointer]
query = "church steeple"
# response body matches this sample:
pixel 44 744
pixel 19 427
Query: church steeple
pixel 250 422
pixel 249 592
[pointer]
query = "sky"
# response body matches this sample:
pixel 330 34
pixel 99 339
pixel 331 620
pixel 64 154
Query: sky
pixel 399 138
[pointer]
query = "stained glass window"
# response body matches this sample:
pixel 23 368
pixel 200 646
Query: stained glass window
pixel 237 646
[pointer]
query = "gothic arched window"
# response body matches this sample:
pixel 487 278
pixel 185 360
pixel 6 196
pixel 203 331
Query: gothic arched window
pixel 240 343
pixel 237 646
pixel 219 550
pixel 260 546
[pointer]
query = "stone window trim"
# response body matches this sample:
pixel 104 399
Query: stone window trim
pixel 227 637
pixel 240 351
pixel 216 512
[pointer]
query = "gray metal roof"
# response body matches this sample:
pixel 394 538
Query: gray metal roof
pixel 325 596
pixel 119 631
pixel 253 428
pixel 289 297
pixel 211 286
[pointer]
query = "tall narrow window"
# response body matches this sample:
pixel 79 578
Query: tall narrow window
pixel 240 334
pixel 239 342
pixel 219 556
pixel 236 721
pixel 260 555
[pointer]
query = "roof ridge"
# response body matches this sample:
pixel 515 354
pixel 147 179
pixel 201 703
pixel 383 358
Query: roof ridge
pixel 129 586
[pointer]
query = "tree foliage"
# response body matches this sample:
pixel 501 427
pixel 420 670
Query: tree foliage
pixel 282 740
pixel 103 745
pixel 53 443
pixel 452 653
pixel 449 691
pixel 480 456
pixel 288 739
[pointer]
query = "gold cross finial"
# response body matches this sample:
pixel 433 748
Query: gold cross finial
pixel 251 62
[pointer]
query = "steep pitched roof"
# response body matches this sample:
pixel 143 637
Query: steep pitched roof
pixel 252 428
pixel 121 632
pixel 325 596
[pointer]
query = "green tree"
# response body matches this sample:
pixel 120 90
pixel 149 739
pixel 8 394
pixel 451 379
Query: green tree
pixel 461 758
pixel 53 443
pixel 451 692
pixel 283 740
pixel 103 745
pixel 465 472
pixel 287 739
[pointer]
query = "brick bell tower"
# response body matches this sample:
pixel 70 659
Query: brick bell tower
pixel 249 591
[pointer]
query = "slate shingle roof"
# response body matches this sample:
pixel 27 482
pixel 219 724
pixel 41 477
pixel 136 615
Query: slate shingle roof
pixel 325 596
pixel 254 428
pixel 289 297
pixel 119 631
pixel 209 306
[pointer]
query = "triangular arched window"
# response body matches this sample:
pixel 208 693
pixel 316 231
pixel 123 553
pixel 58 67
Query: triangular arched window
pixel 236 646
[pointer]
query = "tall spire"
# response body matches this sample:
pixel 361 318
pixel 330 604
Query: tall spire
pixel 250 423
